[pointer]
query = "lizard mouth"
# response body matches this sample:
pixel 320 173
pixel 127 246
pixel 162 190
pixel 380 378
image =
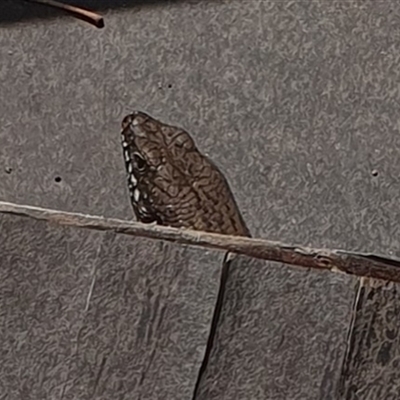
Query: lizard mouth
pixel 136 167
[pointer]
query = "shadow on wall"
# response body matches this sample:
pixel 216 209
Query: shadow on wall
pixel 12 11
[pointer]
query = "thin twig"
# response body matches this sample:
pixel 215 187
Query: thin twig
pixel 361 264
pixel 78 12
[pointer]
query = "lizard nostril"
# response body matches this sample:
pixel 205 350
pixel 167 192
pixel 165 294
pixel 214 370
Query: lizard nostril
pixel 126 122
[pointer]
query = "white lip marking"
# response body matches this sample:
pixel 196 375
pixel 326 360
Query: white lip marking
pixel 127 158
pixel 130 168
pixel 133 179
pixel 124 144
pixel 136 195
pixel 135 122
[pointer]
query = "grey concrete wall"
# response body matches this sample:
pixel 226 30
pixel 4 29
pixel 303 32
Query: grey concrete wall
pixel 296 102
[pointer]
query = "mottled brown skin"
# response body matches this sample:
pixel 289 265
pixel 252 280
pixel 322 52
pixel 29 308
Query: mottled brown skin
pixel 175 184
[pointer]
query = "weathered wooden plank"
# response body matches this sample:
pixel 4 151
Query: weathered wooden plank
pixel 100 315
pixel 371 370
pixel 282 334
pixel 361 264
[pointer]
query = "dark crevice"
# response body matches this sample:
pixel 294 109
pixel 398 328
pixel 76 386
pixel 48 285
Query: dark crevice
pixel 214 323
pixel 350 342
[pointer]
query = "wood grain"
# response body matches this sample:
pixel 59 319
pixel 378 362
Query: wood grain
pixel 360 264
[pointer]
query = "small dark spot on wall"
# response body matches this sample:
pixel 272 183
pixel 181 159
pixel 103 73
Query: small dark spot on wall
pixel 57 179
pixel 170 85
pixel 8 170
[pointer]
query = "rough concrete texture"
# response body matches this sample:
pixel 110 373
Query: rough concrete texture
pixel 297 102
pixel 89 315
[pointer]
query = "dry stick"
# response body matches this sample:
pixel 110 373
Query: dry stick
pixel 368 265
pixel 85 15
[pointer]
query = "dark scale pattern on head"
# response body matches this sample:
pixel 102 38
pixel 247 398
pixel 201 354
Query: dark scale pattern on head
pixel 172 183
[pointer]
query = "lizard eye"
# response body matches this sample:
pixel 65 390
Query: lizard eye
pixel 139 162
